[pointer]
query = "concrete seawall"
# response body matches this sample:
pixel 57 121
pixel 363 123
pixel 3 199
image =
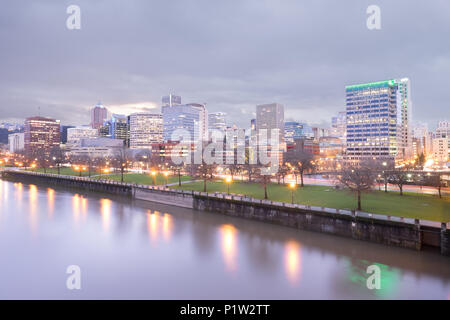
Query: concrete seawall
pixel 347 225
pixel 392 231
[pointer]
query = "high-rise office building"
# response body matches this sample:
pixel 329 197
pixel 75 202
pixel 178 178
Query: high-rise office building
pixel 338 126
pixel 171 100
pixel 270 117
pixel 422 141
pixel 441 150
pixel 294 130
pixel 105 130
pixel 99 114
pixel 217 125
pixel 191 118
pixel 378 116
pixel 41 134
pixel 443 132
pixel 16 142
pixel 64 133
pixel 119 127
pixel 216 121
pixel 76 134
pixel 145 129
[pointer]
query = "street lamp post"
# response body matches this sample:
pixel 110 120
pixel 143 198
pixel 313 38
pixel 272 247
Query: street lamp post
pixel 292 186
pixel 154 177
pixel 385 176
pixel 166 175
pixel 228 181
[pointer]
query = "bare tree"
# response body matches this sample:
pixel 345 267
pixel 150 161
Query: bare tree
pixel 358 179
pixel 41 156
pixel 234 169
pixel 204 172
pixel 301 162
pixel 436 181
pixel 400 178
pixel 57 157
pixel 145 156
pixel 282 172
pixel 121 158
pixel 264 180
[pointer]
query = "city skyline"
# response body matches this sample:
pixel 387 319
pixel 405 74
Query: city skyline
pixel 298 73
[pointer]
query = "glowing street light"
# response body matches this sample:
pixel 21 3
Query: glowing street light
pixel 292 186
pixel 166 175
pixel 228 181
pixel 154 177
pixel 79 169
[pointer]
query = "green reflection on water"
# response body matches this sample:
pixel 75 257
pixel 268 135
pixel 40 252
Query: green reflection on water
pixel 389 278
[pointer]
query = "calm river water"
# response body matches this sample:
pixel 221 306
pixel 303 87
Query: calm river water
pixel 141 250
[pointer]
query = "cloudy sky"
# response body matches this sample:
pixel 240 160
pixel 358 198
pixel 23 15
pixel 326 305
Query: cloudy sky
pixel 231 54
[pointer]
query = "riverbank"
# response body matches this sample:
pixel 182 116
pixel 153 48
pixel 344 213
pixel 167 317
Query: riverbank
pixel 410 205
pixel 392 231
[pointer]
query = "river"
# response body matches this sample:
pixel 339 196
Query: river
pixel 129 249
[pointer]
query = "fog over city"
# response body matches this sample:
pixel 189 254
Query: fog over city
pixel 231 55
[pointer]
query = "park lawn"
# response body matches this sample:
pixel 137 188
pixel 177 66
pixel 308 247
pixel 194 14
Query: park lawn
pixel 410 205
pixel 64 171
pixel 140 178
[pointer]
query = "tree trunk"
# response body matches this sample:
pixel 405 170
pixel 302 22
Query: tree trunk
pixel 265 192
pixel 121 174
pixel 385 185
pixel 179 178
pixel 58 169
pixel 440 194
pixel 359 200
pixel 301 179
pixel 204 185
pixel 401 189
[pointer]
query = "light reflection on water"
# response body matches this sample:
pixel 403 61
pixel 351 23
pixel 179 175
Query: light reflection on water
pixel 106 213
pixel 293 261
pixel 187 254
pixel 229 238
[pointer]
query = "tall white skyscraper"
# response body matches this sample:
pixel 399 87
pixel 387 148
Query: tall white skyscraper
pixel 145 129
pixel 192 119
pixel 171 100
pixel 338 126
pixel 270 116
pixel 217 125
pixel 443 132
pixel 74 135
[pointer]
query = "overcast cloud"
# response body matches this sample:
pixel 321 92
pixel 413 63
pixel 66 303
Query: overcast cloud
pixel 230 54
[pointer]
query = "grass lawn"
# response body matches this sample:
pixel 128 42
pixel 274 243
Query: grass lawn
pixel 64 171
pixel 410 205
pixel 140 178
